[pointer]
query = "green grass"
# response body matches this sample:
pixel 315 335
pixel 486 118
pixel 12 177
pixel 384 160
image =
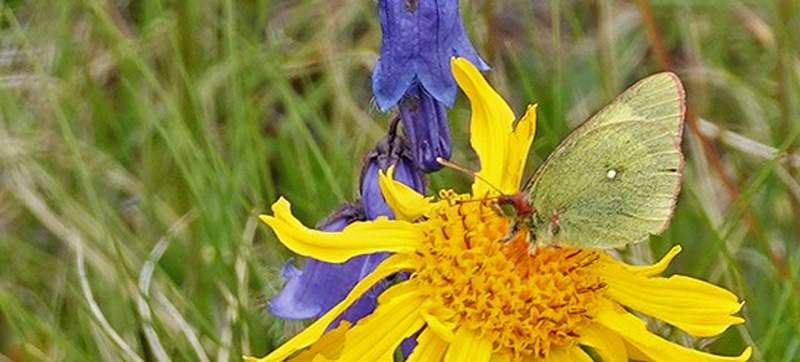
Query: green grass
pixel 140 139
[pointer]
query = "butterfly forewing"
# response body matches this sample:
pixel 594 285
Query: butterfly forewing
pixel 615 179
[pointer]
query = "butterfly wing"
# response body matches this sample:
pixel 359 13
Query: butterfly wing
pixel 615 179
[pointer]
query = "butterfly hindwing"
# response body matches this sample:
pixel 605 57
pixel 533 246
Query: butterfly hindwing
pixel 615 179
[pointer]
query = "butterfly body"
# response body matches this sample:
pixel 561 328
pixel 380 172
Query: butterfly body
pixel 615 179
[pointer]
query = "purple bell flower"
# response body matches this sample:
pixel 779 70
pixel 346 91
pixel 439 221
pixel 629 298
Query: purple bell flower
pixel 391 150
pixel 311 292
pixel 418 39
pixel 425 124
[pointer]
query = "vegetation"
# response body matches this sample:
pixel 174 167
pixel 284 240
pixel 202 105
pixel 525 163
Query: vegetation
pixel 139 140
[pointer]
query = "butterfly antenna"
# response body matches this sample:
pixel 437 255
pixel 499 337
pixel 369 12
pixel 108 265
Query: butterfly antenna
pixel 474 175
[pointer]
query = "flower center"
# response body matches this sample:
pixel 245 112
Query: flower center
pixel 524 302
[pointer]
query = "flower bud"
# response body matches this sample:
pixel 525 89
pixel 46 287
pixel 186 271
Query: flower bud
pixel 392 150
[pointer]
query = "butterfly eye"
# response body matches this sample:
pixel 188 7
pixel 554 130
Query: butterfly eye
pixel 611 173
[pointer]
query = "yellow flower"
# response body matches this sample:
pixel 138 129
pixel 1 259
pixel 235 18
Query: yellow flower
pixel 473 297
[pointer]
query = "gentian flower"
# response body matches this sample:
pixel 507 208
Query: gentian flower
pixel 391 150
pixel 425 123
pixel 473 298
pixel 419 38
pixel 313 291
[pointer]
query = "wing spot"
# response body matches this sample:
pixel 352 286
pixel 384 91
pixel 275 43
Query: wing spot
pixel 611 173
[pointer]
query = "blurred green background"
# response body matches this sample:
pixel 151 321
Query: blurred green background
pixel 140 139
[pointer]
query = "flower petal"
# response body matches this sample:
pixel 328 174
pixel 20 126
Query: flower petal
pixel 376 337
pixel 635 354
pixel 500 357
pixel 570 354
pixel 518 149
pixel 634 331
pixel 437 319
pixel 329 345
pixel 468 347
pixel 425 124
pixel 317 288
pixel 430 348
pixel 657 268
pixel 607 344
pixel 406 203
pixel 336 247
pixel 418 38
pixel 699 308
pixel 490 127
pixel 393 264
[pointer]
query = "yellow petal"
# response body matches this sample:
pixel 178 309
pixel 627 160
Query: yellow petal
pixel 468 347
pixel 500 357
pixel 430 348
pixel 406 203
pixel 635 354
pixel 608 345
pixel 490 127
pixel 391 265
pixel 376 337
pixel 699 308
pixel 570 354
pixel 437 318
pixel 634 331
pixel 336 247
pixel 657 268
pixel 329 345
pixel 518 151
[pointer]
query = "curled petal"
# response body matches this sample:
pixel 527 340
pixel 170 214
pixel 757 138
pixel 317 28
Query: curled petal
pixel 437 319
pixel 406 203
pixel 356 239
pixel 634 331
pixel 657 268
pixel 490 127
pixel 699 308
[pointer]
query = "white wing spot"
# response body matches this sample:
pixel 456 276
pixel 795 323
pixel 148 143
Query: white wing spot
pixel 611 174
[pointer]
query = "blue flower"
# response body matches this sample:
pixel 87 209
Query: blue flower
pixel 391 150
pixel 419 38
pixel 311 292
pixel 425 124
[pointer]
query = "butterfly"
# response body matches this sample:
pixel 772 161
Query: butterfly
pixel 615 179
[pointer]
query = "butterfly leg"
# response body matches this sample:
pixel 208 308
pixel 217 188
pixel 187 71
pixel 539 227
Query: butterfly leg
pixel 512 232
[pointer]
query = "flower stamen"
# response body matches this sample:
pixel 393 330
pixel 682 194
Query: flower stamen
pixel 524 303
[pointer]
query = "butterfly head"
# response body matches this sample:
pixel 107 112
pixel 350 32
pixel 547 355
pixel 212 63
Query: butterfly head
pixel 517 204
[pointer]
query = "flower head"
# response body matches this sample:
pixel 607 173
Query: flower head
pixel 419 38
pixel 475 295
